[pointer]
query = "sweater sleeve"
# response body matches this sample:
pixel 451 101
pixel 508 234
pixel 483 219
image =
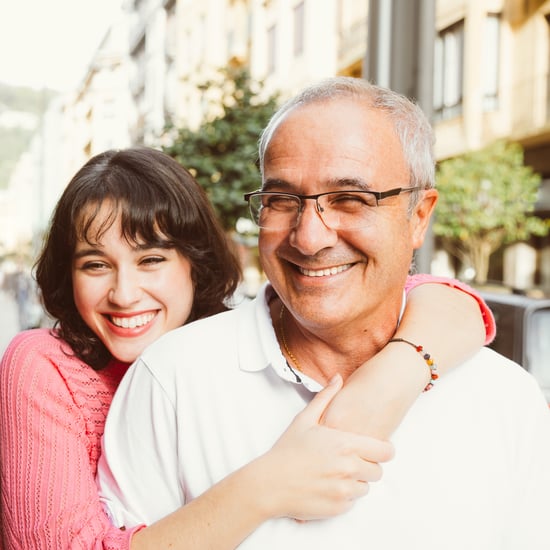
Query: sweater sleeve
pixel 487 315
pixel 48 490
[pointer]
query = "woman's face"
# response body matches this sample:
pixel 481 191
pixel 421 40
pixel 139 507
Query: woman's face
pixel 129 294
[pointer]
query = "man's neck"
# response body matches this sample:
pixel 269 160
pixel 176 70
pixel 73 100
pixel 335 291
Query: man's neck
pixel 320 353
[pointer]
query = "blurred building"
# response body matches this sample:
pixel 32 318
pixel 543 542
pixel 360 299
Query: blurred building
pixel 490 67
pixel 492 80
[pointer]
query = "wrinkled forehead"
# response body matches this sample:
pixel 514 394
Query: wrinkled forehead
pixel 335 140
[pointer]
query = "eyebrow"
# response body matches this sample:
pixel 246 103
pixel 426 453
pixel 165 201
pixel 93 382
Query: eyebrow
pixel 137 248
pixel 272 183
pixel 88 252
pixel 332 184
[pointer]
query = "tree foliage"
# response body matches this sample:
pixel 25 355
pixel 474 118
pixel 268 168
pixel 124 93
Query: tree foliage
pixel 486 200
pixel 222 152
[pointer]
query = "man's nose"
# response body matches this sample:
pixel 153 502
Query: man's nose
pixel 311 234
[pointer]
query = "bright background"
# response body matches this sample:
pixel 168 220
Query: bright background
pixel 49 43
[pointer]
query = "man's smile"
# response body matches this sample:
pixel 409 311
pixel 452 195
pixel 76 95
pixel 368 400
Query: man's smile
pixel 325 271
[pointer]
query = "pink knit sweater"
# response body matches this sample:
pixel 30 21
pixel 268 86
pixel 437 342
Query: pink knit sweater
pixel 52 416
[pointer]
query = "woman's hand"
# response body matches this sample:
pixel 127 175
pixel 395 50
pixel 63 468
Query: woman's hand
pixel 315 472
pixel 311 472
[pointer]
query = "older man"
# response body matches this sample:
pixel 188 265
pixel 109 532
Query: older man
pixel 347 196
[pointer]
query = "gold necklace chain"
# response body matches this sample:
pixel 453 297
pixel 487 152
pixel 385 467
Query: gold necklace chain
pixel 283 338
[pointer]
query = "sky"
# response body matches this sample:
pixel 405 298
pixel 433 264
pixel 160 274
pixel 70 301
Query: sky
pixel 49 43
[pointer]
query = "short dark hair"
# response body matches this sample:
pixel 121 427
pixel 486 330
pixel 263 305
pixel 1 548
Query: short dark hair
pixel 153 194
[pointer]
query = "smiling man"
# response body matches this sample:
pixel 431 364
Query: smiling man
pixel 338 262
pixel 347 195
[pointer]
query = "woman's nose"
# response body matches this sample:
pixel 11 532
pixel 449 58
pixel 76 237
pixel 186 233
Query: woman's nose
pixel 125 290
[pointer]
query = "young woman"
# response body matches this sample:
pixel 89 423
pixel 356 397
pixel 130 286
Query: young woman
pixel 134 250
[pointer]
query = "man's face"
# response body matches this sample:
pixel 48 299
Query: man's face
pixel 336 278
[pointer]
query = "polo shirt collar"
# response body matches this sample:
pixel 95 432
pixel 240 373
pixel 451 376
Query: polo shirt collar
pixel 258 344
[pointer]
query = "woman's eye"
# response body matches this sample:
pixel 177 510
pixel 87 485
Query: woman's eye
pixel 153 260
pixel 93 266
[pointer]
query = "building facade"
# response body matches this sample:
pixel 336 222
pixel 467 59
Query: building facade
pixel 491 77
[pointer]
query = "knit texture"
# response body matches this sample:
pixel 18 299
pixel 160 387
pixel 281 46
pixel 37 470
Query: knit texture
pixel 52 415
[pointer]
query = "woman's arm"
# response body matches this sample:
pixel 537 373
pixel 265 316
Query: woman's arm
pixel 449 320
pixel 312 472
pixel 49 495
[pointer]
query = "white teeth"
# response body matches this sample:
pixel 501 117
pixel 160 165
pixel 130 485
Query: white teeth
pixel 132 322
pixel 324 272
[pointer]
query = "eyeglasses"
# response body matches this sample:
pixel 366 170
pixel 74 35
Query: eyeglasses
pixel 337 209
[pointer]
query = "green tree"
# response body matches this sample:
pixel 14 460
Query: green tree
pixel 222 152
pixel 486 200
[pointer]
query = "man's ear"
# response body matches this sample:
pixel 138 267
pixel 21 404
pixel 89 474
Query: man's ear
pixel 421 215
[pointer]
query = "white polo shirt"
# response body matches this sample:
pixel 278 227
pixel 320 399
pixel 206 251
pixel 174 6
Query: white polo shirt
pixel 472 464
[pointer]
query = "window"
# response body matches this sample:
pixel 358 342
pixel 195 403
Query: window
pixel 271 49
pixel 448 72
pixel 491 59
pixel 299 21
pixel 230 42
pixel 202 39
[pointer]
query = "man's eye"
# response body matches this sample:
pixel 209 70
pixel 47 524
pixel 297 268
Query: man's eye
pixel 280 203
pixel 351 200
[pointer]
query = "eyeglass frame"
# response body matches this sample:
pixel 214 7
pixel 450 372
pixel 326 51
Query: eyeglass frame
pixel 378 195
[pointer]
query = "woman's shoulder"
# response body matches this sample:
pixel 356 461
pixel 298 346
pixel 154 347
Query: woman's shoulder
pixel 36 353
pixel 39 359
pixel 41 341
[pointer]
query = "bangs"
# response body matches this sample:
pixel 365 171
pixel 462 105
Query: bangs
pixel 138 225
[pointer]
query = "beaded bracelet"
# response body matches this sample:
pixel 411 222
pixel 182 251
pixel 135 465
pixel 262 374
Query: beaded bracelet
pixel 427 357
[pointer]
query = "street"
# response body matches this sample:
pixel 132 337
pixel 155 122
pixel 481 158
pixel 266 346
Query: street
pixel 9 322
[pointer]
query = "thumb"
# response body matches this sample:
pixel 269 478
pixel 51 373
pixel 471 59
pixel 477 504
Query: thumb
pixel 316 407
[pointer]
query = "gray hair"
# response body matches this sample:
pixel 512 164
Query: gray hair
pixel 411 124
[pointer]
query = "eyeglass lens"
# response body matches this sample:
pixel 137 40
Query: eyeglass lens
pixel 342 210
